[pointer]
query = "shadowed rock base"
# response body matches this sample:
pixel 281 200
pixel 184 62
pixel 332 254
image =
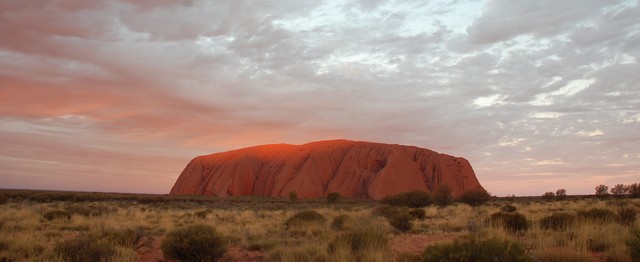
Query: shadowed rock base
pixel 351 168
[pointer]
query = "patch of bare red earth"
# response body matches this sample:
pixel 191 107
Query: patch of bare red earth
pixel 149 248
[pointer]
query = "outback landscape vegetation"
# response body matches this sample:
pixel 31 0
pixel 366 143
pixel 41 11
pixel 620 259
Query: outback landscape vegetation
pixel 412 226
pixel 335 130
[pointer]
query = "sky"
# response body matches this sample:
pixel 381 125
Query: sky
pixel 118 96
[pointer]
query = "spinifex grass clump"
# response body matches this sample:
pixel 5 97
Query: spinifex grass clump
pixel 633 243
pixel 512 222
pixel 558 221
pixel 418 213
pixel 627 215
pixel 194 243
pixel 597 215
pixel 84 249
pixel 476 250
pixel 341 222
pixel 57 215
pixel 305 217
pixel 359 244
pixel 401 221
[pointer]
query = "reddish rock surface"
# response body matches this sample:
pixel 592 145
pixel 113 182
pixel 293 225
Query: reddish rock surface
pixel 351 168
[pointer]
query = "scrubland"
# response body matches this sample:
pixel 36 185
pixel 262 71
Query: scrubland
pixel 58 226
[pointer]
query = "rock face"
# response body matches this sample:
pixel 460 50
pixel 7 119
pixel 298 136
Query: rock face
pixel 351 168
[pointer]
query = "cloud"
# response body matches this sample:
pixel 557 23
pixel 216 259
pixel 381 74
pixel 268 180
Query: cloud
pixel 497 82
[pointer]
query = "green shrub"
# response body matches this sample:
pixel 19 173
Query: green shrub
pixel 401 221
pixel 476 197
pixel 57 215
pixel 442 195
pixel 194 243
pixel 333 198
pixel 305 217
pixel 418 213
pixel 413 199
pixel 84 249
pixel 359 242
pixel 597 214
pixel 627 215
pixel 340 222
pixel 633 243
pixel 476 250
pixel 512 222
pixel 558 221
pixel 508 209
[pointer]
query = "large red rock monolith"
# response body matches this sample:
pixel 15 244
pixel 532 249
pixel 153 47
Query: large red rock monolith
pixel 351 168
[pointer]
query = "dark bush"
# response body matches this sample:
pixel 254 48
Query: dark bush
pixel 413 199
pixel 57 215
pixel 293 196
pixel 633 243
pixel 360 241
pixel 3 199
pixel 401 221
pixel 333 198
pixel 548 196
pixel 476 197
pixel 442 195
pixel 418 213
pixel 508 209
pixel 627 215
pixel 633 190
pixel 194 243
pixel 305 217
pixel 597 245
pixel 387 211
pixel 558 221
pixel 512 222
pixel 84 249
pixel 340 222
pixel 93 210
pixel 476 250
pixel 597 214
pixel 203 213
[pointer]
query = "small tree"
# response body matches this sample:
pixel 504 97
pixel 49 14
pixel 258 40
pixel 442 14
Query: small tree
pixel 442 196
pixel 548 196
pixel 293 196
pixel 633 190
pixel 602 190
pixel 618 190
pixel 561 194
pixel 475 197
pixel 333 197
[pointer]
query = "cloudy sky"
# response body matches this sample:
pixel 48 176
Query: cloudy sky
pixel 119 95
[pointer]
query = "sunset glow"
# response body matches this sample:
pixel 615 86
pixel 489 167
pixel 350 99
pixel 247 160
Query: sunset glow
pixel 118 96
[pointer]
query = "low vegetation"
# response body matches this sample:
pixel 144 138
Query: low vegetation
pixel 194 243
pixel 477 250
pixel 65 226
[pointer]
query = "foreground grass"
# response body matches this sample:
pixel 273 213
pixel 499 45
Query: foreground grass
pixel 44 227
